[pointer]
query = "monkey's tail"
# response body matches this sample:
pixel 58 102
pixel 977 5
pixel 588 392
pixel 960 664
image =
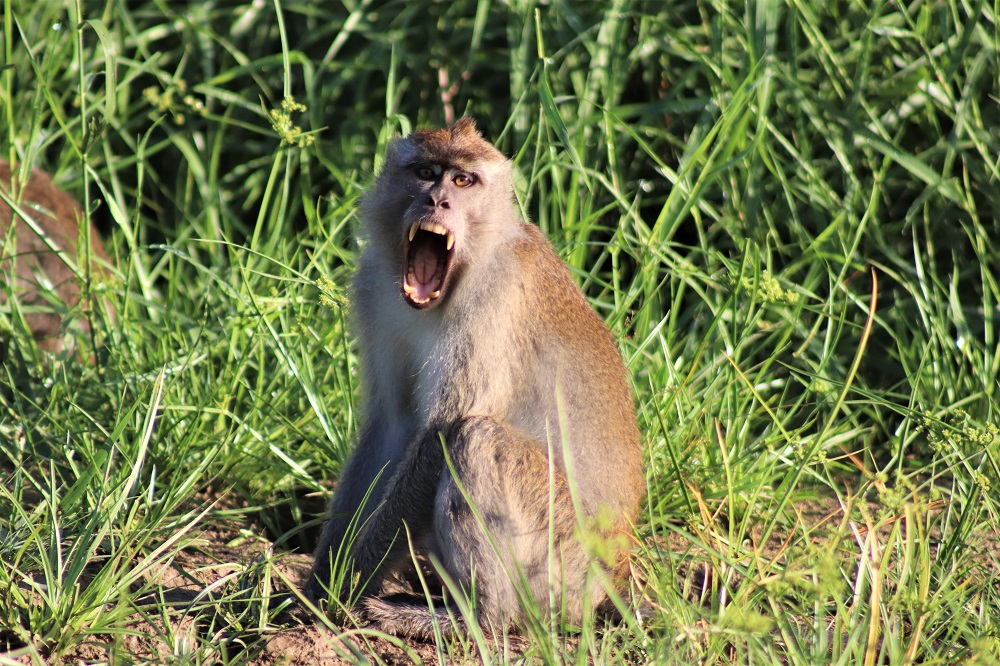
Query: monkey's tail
pixel 408 618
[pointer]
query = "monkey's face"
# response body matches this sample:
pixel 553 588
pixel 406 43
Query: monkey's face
pixel 438 207
pixel 436 230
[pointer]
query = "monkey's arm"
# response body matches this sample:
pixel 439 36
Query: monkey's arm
pixel 367 473
pixel 408 499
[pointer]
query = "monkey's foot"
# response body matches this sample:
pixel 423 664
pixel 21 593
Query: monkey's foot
pixel 408 615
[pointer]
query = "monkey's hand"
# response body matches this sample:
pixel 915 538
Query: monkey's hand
pixel 334 575
pixel 347 567
pixel 336 591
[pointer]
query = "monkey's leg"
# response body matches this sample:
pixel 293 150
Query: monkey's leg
pixel 496 546
pixel 507 544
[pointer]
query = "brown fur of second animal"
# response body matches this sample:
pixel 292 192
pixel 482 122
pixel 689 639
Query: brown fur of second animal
pixel 38 268
pixel 472 330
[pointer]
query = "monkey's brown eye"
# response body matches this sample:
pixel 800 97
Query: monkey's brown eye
pixel 463 180
pixel 426 173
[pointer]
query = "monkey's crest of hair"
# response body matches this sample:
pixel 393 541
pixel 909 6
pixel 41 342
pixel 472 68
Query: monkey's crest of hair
pixel 461 143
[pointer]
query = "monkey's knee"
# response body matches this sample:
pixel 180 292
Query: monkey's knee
pixel 473 434
pixel 491 515
pixel 475 452
pixel 471 492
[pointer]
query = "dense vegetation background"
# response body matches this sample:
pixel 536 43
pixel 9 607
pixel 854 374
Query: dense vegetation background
pixel 786 212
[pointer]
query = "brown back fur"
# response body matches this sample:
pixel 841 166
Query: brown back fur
pixel 38 268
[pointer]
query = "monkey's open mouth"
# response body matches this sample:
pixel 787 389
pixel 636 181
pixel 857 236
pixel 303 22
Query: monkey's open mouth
pixel 426 260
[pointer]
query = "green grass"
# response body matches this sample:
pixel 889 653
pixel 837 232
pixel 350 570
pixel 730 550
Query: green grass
pixel 787 213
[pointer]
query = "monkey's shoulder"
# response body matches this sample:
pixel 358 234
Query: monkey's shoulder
pixel 534 258
pixel 549 285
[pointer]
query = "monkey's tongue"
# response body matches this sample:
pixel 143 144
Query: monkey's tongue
pixel 425 265
pixel 426 270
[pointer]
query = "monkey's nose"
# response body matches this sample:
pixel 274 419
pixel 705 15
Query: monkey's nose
pixel 439 201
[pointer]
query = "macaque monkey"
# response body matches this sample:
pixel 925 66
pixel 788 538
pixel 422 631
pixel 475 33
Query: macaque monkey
pixel 475 339
pixel 38 269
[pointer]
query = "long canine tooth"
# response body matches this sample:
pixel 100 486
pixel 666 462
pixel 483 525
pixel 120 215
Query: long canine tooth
pixel 451 242
pixel 413 230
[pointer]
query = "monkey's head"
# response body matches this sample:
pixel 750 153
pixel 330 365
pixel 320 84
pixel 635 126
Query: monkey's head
pixel 442 198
